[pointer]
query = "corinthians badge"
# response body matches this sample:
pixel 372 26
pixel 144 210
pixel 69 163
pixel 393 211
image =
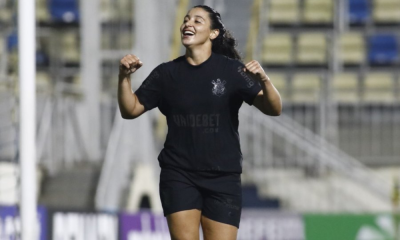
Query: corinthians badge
pixel 219 87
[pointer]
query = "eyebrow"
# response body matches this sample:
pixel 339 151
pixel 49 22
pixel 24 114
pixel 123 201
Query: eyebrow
pixel 195 16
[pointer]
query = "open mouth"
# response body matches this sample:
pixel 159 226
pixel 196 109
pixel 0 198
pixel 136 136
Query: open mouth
pixel 188 33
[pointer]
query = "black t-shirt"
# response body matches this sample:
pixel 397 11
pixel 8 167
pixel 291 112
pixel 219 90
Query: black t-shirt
pixel 201 104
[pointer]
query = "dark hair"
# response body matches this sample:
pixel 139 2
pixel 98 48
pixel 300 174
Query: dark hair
pixel 225 43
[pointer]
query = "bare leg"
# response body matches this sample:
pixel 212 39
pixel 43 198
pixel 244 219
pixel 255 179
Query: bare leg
pixel 214 230
pixel 184 225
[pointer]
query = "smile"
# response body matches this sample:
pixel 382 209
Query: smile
pixel 188 33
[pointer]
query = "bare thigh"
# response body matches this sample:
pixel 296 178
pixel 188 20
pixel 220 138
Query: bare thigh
pixel 213 230
pixel 184 225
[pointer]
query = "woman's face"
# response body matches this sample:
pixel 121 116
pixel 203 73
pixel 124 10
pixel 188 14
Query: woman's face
pixel 196 28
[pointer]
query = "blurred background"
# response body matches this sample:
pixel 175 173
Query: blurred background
pixel 328 168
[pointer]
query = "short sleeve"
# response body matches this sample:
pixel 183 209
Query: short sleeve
pixel 247 87
pixel 149 93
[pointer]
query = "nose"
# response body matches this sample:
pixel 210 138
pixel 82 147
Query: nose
pixel 187 24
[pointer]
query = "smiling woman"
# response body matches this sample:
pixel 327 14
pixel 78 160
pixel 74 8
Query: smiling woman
pixel 200 94
pixel 222 43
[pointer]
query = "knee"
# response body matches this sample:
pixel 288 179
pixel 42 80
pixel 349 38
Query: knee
pixel 184 225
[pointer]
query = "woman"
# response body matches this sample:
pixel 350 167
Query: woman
pixel 200 94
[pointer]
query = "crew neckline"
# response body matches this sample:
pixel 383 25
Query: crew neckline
pixel 201 64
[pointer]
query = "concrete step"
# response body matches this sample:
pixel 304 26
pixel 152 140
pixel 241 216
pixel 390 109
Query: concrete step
pixel 330 192
pixel 72 188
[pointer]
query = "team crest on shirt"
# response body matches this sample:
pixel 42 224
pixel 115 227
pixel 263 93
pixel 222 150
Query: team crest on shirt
pixel 219 87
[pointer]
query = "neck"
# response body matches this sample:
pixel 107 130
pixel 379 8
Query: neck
pixel 197 55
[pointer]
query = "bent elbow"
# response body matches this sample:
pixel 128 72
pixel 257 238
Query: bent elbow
pixel 127 115
pixel 124 116
pixel 273 113
pixel 276 111
pixel 277 114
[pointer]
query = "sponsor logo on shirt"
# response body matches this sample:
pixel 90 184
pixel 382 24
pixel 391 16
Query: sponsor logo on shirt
pixel 219 87
pixel 249 81
pixel 209 122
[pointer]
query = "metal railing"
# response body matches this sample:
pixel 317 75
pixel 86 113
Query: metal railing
pixel 281 143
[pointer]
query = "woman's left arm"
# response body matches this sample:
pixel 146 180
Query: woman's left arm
pixel 268 100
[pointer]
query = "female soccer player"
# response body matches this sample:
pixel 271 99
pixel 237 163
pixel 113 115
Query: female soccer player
pixel 200 94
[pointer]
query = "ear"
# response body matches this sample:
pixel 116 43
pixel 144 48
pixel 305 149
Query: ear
pixel 214 34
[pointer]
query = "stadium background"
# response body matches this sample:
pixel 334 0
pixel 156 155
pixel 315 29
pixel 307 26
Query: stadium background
pixel 327 168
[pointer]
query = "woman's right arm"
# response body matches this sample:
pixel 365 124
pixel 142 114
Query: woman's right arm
pixel 128 102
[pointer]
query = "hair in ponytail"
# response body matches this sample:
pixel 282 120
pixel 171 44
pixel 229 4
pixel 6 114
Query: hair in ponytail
pixel 225 43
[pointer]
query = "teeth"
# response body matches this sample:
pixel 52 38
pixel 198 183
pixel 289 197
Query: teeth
pixel 188 32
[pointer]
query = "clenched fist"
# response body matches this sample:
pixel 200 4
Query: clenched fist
pixel 129 64
pixel 256 71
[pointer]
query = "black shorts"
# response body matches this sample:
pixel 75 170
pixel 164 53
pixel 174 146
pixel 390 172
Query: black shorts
pixel 218 195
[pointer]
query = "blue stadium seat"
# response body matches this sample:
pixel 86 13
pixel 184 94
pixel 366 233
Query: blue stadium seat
pixel 41 58
pixel 12 44
pixel 12 41
pixel 383 49
pixel 64 10
pixel 359 11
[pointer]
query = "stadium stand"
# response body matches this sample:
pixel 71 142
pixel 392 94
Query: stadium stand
pixel 12 41
pixel 386 11
pixel 5 14
pixel 70 47
pixel 305 88
pixel 12 44
pixel 383 49
pixel 65 11
pixel 42 12
pixel 72 187
pixel 125 40
pixel 300 192
pixel 397 87
pixel 359 11
pixel 318 12
pixel 378 88
pixel 42 80
pixel 277 49
pixel 284 12
pixel 125 10
pixel 41 58
pixel 345 88
pixel 2 46
pixel 112 13
pixel 351 48
pixel 311 49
